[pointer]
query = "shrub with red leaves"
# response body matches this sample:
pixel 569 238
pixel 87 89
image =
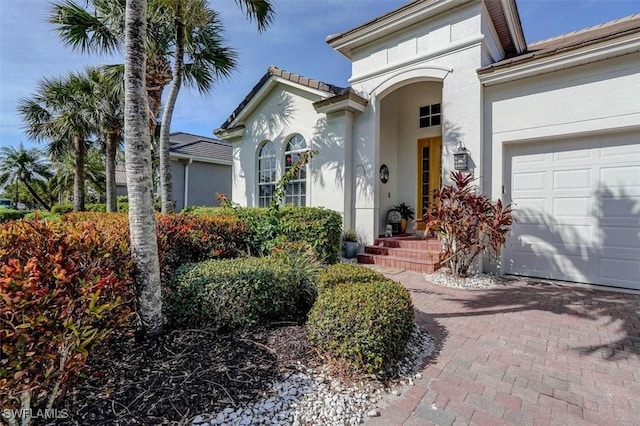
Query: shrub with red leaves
pixel 467 223
pixel 62 289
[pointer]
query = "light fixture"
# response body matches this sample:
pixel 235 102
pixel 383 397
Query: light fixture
pixel 461 158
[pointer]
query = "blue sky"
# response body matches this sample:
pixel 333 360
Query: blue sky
pixel 29 49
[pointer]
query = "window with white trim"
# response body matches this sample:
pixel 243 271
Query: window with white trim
pixel 430 115
pixel 296 193
pixel 266 174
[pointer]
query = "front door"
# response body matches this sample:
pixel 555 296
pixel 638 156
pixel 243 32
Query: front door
pixel 429 169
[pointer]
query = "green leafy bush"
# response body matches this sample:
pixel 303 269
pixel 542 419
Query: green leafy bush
pixel 346 273
pixel 8 214
pixel 42 215
pixel 62 208
pixel 321 228
pixel 367 324
pixel 224 295
pixel 97 207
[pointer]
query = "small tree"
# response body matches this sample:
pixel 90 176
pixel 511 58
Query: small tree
pixel 466 222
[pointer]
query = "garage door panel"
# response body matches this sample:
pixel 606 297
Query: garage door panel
pixel 572 179
pixel 529 181
pixel 577 203
pixel 625 237
pixel 620 177
pixel 619 270
pixel 572 207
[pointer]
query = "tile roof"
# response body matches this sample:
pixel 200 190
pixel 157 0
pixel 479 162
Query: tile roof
pixel 555 45
pixel 273 71
pixel 189 145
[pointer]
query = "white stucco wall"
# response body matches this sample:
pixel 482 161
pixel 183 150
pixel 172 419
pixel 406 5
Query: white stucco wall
pixel 447 50
pixel 286 111
pixel 587 99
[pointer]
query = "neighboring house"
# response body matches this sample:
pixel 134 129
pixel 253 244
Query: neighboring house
pixel 200 167
pixel 553 127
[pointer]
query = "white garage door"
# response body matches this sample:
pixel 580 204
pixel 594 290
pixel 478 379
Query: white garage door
pixel 577 207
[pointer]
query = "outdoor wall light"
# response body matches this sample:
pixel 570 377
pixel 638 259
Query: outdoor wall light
pixel 461 158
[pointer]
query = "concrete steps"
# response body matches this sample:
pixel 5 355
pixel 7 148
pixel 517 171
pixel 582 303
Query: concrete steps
pixel 404 252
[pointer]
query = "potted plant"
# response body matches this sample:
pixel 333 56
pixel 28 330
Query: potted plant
pixel 407 214
pixel 350 243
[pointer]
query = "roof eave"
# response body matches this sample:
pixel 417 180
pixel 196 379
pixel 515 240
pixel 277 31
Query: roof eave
pixel 556 60
pixel 350 101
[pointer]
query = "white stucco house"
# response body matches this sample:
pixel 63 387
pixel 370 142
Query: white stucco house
pixel 552 126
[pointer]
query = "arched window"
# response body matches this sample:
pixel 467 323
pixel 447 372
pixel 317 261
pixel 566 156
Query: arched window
pixel 266 174
pixel 297 189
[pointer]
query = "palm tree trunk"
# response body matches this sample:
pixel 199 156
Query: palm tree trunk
pixel 35 195
pixel 142 223
pixel 16 193
pixel 166 184
pixel 78 179
pixel 112 142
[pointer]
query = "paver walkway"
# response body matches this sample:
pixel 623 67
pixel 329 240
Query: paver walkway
pixel 526 353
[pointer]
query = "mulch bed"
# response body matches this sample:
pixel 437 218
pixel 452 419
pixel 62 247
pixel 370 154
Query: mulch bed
pixel 182 374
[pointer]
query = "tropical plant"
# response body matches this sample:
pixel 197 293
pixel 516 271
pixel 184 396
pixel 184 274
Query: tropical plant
pixel 407 212
pixel 350 235
pixel 199 55
pixel 60 112
pixel 142 223
pixel 108 115
pixel 288 176
pixel 466 222
pixel 63 180
pixel 26 166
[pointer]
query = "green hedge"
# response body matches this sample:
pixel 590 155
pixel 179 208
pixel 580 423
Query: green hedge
pixel 9 214
pixel 224 295
pixel 68 208
pixel 367 324
pixel 320 228
pixel 346 273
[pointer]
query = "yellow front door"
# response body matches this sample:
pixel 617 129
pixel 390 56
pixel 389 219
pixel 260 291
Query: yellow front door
pixel 429 169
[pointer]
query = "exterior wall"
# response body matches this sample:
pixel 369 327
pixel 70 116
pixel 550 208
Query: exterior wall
pixel 284 112
pixel 586 100
pixel 205 179
pixel 177 179
pixel 447 50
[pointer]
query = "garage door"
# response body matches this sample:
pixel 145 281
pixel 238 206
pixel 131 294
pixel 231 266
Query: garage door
pixel 577 207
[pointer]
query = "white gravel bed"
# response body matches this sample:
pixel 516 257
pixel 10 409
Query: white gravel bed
pixel 443 277
pixel 314 397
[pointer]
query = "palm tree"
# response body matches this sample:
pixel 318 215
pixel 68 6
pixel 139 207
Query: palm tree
pixel 26 166
pixel 200 58
pixel 142 224
pixel 101 31
pixel 64 166
pixel 108 115
pixel 60 113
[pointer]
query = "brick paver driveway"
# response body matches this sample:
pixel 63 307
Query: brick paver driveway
pixel 524 353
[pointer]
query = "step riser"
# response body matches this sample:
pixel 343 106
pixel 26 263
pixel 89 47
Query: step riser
pixel 404 253
pixel 428 245
pixel 426 268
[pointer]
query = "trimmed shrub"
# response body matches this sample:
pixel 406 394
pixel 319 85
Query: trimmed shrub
pixel 366 324
pixel 8 214
pixel 321 228
pixel 62 290
pixel 346 273
pixel 224 295
pixel 42 215
pixel 189 238
pixel 98 207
